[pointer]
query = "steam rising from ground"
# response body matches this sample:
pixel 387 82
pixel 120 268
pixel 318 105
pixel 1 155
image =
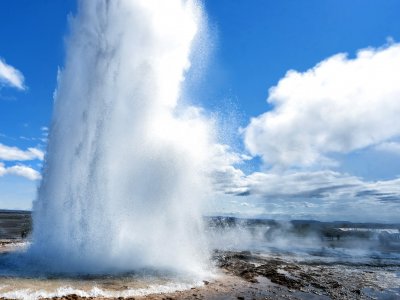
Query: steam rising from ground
pixel 123 179
pixel 310 240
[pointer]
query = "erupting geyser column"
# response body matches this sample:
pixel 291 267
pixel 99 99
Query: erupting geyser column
pixel 123 177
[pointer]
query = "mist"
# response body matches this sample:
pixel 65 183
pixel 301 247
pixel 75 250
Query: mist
pixel 124 180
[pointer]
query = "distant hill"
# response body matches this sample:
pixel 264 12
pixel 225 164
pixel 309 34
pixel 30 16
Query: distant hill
pixel 15 224
pixel 10 211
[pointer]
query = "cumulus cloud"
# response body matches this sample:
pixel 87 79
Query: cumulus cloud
pixel 8 153
pixel 340 105
pixel 20 170
pixel 14 153
pixel 10 76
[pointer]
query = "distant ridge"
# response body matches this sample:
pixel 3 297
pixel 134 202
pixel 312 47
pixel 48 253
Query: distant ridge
pixel 14 211
pixel 313 223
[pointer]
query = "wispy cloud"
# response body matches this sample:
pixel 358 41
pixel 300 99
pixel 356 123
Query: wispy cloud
pixel 225 172
pixel 391 147
pixel 322 185
pixel 311 194
pixel 16 154
pixel 339 106
pixel 10 76
pixel 20 170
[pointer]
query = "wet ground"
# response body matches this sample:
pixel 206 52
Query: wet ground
pixel 292 260
pixel 240 275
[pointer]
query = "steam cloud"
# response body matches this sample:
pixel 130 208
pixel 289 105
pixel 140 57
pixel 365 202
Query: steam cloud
pixel 124 175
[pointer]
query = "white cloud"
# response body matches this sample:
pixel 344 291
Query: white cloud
pixel 321 185
pixel 391 147
pixel 225 176
pixel 306 184
pixel 20 170
pixel 2 169
pixel 11 76
pixel 323 195
pixel 338 106
pixel 14 153
pixel 45 134
pixel 24 171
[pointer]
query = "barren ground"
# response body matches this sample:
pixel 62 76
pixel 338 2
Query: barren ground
pixel 246 275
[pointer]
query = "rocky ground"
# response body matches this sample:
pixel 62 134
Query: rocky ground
pixel 256 276
pixel 246 275
pixel 262 275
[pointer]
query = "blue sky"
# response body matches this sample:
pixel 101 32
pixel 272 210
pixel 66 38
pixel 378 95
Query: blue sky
pixel 254 44
pixel 259 41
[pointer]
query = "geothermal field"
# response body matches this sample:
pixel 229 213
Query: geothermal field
pixel 122 208
pixel 249 259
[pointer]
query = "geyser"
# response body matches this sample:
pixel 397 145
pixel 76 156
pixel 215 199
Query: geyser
pixel 124 173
